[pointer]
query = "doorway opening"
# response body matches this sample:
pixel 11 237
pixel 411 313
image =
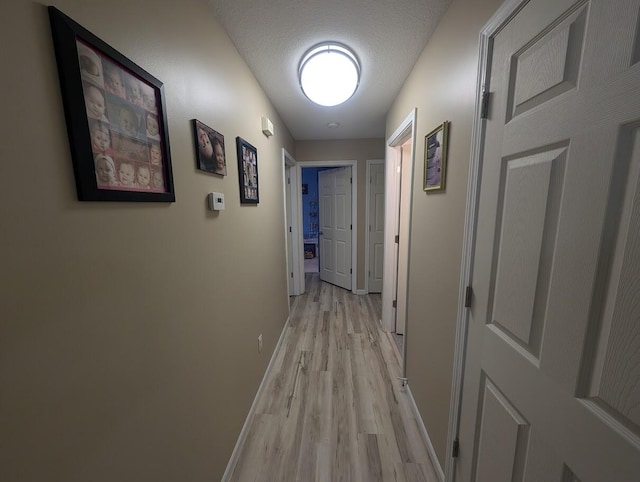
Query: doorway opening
pixel 400 155
pixel 332 250
pixel 311 218
pixel 294 273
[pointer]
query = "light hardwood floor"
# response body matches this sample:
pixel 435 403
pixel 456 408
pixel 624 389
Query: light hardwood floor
pixel 332 408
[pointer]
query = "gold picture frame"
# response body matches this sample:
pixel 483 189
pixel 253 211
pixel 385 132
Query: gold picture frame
pixel 435 157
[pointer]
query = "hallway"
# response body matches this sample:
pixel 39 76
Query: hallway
pixel 332 408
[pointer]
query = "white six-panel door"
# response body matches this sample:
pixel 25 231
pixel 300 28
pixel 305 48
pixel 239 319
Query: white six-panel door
pixel 334 238
pixel 376 227
pixel 552 373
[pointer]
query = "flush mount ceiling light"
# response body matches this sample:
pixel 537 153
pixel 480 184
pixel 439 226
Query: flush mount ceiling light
pixel 329 74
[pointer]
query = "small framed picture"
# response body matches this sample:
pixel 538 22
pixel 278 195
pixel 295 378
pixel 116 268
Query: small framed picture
pixel 435 157
pixel 247 172
pixel 210 155
pixel 116 121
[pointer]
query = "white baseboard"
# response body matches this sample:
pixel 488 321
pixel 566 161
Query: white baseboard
pixel 361 292
pixel 233 460
pixel 423 429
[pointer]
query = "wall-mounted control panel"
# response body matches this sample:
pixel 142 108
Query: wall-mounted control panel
pixel 216 201
pixel 267 126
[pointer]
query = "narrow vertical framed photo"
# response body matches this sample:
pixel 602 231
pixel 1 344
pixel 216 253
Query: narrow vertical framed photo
pixel 116 119
pixel 247 172
pixel 210 153
pixel 435 157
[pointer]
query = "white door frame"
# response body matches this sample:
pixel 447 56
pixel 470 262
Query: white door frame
pixel 297 268
pixel 502 15
pixel 354 212
pixel 405 131
pixel 370 162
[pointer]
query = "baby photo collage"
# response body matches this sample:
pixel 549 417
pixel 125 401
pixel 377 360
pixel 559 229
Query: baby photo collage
pixel 250 168
pixel 123 125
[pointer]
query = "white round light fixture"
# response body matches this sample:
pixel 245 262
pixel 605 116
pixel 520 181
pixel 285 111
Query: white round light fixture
pixel 329 74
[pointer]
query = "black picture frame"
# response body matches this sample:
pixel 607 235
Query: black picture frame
pixel 116 119
pixel 247 172
pixel 209 146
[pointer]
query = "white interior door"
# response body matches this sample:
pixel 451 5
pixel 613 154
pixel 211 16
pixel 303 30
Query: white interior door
pixel 293 222
pixel 396 240
pixel 376 227
pixel 289 230
pixel 552 373
pixel 403 134
pixel 403 234
pixel 334 237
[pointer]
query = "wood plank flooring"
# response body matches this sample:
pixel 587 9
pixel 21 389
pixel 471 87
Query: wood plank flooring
pixel 332 408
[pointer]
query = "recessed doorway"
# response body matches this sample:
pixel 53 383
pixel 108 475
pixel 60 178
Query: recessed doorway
pixel 336 248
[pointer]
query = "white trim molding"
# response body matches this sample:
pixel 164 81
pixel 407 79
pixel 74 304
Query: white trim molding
pixel 235 455
pixel 354 211
pixel 499 19
pixel 423 430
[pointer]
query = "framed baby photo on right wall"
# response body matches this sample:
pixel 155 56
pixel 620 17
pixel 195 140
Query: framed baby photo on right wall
pixel 116 119
pixel 435 157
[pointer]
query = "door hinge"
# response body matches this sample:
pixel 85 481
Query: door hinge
pixel 369 228
pixel 290 229
pixel 468 297
pixel 292 274
pixel 394 304
pixel 350 180
pixel 288 180
pixel 351 226
pixel 397 238
pixel 456 448
pixel 350 270
pixel 484 108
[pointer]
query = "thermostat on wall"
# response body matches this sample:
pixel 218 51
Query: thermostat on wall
pixel 216 201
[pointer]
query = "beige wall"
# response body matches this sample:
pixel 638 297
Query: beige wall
pixel 128 332
pixel 442 87
pixel 347 150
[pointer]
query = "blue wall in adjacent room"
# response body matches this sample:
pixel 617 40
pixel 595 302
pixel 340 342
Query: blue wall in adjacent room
pixel 310 203
pixel 310 222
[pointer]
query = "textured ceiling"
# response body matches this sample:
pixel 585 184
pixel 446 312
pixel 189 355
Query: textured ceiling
pixel 386 35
